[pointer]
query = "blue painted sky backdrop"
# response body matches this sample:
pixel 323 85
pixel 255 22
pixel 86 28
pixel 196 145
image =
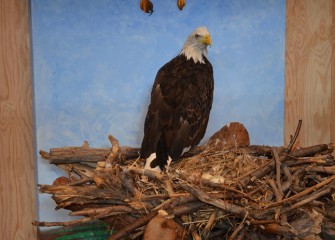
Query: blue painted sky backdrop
pixel 94 63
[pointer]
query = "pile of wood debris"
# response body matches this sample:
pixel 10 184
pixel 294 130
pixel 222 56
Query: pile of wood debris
pixel 217 191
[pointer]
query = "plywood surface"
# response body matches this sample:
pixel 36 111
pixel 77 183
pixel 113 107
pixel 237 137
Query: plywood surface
pixel 17 186
pixel 332 121
pixel 309 93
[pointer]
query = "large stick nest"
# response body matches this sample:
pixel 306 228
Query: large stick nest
pixel 215 192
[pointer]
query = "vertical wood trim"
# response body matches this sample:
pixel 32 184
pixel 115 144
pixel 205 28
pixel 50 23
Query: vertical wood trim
pixel 332 123
pixel 17 175
pixel 308 71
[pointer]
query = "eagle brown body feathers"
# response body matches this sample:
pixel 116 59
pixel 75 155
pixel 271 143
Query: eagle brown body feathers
pixel 177 117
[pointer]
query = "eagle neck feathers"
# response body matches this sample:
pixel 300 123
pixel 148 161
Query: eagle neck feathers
pixel 193 51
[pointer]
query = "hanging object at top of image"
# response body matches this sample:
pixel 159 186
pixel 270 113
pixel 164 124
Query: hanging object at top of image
pixel 181 4
pixel 147 6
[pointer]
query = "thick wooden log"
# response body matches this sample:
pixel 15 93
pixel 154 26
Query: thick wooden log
pixel 78 154
pixel 68 155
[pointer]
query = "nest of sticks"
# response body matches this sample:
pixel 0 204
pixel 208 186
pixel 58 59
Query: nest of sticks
pixel 225 192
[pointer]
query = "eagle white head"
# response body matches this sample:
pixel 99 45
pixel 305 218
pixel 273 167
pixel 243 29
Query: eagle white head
pixel 196 44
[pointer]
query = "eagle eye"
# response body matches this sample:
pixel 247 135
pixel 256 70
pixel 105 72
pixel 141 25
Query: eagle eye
pixel 196 35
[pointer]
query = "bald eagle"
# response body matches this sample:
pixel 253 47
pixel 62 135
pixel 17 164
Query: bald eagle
pixel 181 100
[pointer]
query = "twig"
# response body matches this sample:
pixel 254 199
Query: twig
pixel 195 235
pixel 210 221
pixel 129 185
pixel 136 235
pixel 266 168
pixel 153 175
pixel 287 184
pixel 127 153
pixel 45 154
pixel 191 198
pixel 278 195
pixel 146 172
pixel 81 181
pixel 262 222
pixel 79 202
pixel 276 228
pixel 312 197
pixel 287 173
pixel 100 211
pixel 294 138
pixel 256 174
pixel 230 189
pixel 305 161
pixel 186 208
pixel 68 223
pixel 180 199
pixel 204 197
pixel 310 151
pixel 302 193
pixel 241 235
pixel 168 186
pixel 114 153
pixel 278 167
pixel 321 169
pixel 81 169
pixel 238 229
pixel 134 225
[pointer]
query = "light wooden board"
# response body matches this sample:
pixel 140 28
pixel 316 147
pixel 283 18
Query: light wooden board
pixel 309 93
pixel 17 174
pixel 332 121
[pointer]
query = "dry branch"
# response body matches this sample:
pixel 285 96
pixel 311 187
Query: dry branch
pixel 278 169
pixel 301 152
pixel 134 225
pixel 67 155
pixel 114 153
pixel 237 229
pixel 303 193
pixel 294 138
pixel 204 197
pixel 312 197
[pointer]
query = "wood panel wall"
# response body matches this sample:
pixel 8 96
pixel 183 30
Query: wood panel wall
pixel 17 184
pixel 332 94
pixel 310 71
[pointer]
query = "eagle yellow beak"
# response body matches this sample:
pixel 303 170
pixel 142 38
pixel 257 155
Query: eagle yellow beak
pixel 207 40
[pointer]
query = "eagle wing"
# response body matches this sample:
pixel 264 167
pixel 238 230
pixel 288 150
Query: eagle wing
pixel 181 101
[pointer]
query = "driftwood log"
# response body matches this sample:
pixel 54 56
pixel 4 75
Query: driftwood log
pixel 214 192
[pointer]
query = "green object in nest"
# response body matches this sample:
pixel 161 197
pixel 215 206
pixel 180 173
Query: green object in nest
pixel 92 231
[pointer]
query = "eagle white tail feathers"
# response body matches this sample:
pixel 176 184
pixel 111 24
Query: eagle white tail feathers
pixel 151 158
